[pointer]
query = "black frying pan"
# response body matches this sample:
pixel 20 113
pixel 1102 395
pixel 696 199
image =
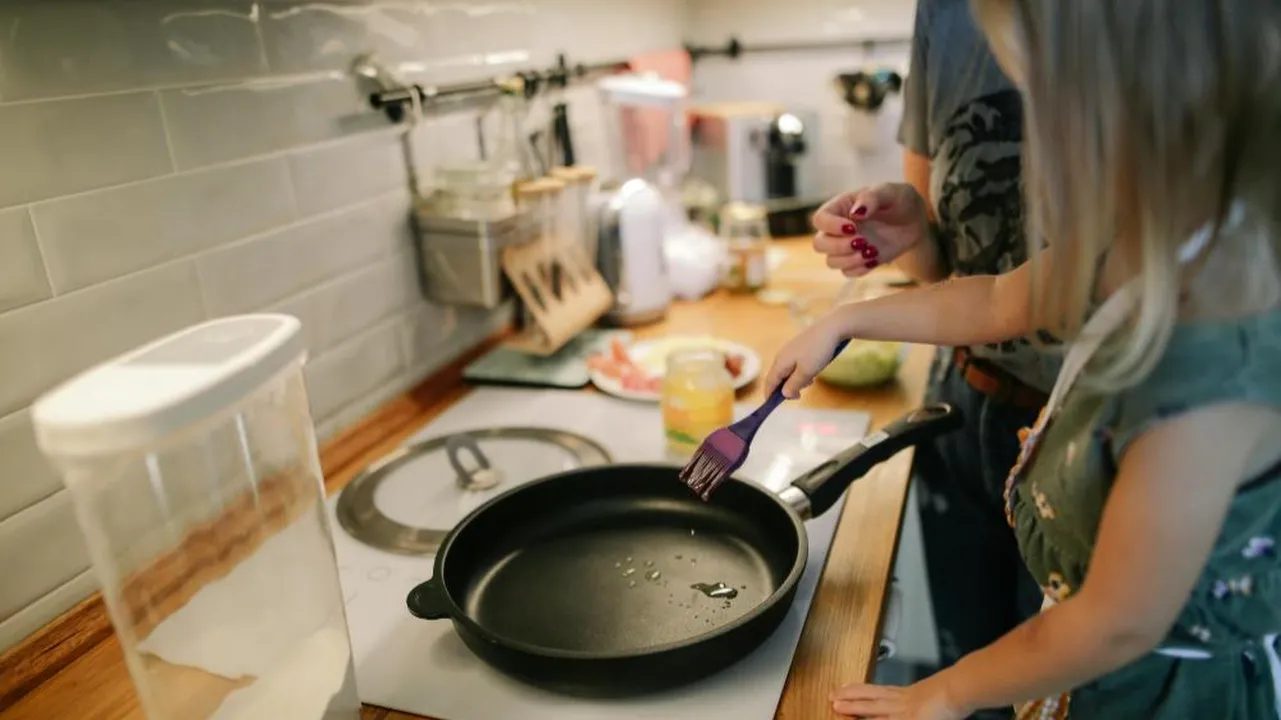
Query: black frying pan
pixel 583 582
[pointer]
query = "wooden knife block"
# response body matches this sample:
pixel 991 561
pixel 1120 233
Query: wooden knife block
pixel 533 269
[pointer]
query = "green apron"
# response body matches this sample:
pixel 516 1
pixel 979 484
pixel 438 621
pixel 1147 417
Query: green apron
pixel 1219 661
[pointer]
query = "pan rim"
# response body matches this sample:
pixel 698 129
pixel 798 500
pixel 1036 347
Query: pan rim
pixel 787 586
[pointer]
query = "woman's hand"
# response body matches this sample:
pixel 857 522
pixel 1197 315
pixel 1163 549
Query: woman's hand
pixel 858 231
pixel 925 700
pixel 804 357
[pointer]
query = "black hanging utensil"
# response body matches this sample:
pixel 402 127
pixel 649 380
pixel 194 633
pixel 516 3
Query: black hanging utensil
pixel 560 129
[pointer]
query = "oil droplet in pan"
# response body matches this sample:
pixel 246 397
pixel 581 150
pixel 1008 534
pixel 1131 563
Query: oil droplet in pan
pixel 718 590
pixel 629 572
pixel 653 575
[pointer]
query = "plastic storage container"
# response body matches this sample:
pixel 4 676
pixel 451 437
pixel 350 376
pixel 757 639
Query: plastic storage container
pixel 193 470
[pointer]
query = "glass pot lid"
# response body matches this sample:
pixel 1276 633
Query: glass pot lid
pixel 409 501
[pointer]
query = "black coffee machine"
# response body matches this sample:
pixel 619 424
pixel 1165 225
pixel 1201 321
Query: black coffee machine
pixel 784 150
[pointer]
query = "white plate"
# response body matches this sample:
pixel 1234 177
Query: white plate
pixel 651 356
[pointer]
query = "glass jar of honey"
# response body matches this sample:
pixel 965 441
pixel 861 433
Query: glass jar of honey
pixel 697 398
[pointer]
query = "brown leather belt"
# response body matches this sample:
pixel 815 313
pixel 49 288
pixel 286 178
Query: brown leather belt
pixel 996 383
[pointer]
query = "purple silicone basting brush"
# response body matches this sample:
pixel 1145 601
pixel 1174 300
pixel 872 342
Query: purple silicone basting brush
pixel 725 450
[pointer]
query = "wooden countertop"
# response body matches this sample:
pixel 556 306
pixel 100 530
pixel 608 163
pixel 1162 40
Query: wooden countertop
pixel 74 667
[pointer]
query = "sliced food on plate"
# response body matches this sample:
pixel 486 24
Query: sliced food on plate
pixel 636 370
pixel 617 365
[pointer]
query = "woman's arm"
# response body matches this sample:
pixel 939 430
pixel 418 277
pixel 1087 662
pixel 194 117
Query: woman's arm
pixel 1159 525
pixel 924 263
pixel 957 312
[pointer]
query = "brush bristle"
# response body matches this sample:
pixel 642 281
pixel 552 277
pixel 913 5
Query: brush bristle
pixel 719 456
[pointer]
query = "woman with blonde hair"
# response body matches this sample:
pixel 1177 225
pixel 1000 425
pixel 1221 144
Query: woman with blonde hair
pixel 1147 498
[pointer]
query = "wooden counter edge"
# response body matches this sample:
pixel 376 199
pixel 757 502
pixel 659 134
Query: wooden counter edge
pixel 837 646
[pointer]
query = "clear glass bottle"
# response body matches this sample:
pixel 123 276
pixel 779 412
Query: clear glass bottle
pixel 473 192
pixel 745 230
pixel 193 470
pixel 578 229
pixel 697 398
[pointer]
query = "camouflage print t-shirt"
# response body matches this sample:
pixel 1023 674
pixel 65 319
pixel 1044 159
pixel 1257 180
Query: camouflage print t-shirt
pixel 965 115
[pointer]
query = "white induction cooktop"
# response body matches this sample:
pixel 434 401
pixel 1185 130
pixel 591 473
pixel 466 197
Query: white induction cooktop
pixel 423 668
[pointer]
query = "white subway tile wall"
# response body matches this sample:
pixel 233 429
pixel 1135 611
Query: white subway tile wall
pixel 167 161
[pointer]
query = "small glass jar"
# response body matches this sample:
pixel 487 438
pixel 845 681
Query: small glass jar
pixel 697 398
pixel 745 230
pixel 477 192
pixel 576 225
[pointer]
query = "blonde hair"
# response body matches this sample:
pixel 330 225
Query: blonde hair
pixel 1146 120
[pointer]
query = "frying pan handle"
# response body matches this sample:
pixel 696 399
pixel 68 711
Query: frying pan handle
pixel 823 485
pixel 427 601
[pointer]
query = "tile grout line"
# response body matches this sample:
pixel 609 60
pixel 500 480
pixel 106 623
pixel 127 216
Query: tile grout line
pixel 164 129
pixel 307 294
pixel 297 223
pixel 390 324
pixel 89 571
pixel 44 258
pixel 13 516
pixel 351 340
pixel 292 188
pixel 223 165
pixel 256 14
pixel 244 82
pixel 201 291
pixel 194 257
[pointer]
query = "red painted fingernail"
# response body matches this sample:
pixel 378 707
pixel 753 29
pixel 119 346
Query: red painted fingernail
pixel 871 264
pixel 860 211
pixel 858 243
pixel 848 228
pixel 870 252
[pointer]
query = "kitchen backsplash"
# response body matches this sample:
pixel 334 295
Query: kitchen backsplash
pixel 167 161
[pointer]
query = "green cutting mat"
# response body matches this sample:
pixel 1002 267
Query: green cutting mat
pixel 566 369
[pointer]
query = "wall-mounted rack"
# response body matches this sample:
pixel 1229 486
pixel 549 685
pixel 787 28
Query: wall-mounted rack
pixel 396 101
pixel 734 48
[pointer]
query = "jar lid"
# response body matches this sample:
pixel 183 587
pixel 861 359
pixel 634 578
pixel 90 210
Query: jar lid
pixel 538 187
pixel 409 501
pixel 575 174
pixel 140 398
pixel 744 211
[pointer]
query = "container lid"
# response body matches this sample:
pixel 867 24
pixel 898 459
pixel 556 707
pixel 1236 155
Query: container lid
pixel 744 211
pixel 574 174
pixel 147 394
pixel 738 109
pixel 541 186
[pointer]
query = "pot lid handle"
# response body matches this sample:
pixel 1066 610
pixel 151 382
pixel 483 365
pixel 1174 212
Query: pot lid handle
pixel 484 476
